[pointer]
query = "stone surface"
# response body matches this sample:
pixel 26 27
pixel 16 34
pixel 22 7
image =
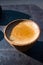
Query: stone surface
pixel 22 2
pixel 14 57
pixel 10 55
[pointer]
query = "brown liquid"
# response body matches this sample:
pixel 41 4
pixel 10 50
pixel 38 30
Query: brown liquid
pixel 22 31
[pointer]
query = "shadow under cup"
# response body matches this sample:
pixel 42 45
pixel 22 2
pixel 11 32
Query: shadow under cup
pixel 8 30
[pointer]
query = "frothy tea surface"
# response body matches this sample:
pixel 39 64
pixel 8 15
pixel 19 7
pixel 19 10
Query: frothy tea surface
pixel 24 32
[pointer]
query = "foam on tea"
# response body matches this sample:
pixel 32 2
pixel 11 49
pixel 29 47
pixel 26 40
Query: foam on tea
pixel 24 32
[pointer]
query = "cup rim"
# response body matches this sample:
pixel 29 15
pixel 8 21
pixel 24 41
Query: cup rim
pixel 12 43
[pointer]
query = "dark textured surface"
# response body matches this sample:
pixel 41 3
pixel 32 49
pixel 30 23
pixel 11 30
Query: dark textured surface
pixel 1 35
pixel 10 55
pixel 0 12
pixel 36 51
pixel 8 15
